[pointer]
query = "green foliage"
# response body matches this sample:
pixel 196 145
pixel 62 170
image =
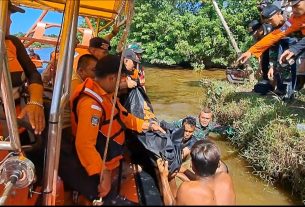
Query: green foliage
pixel 171 35
pixel 173 32
pixel 266 131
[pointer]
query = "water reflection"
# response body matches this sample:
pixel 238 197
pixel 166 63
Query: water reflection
pixel 177 93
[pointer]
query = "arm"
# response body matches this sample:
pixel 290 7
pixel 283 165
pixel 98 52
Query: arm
pixel 294 50
pixel 28 66
pixel 115 30
pixel 136 124
pixel 34 109
pixel 168 197
pixel 86 135
pixel 292 25
pixel 289 26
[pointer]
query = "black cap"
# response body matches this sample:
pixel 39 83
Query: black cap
pixel 98 42
pixel 269 11
pixel 110 64
pixel 293 2
pixel 267 28
pixel 253 26
pixel 130 54
pixel 14 8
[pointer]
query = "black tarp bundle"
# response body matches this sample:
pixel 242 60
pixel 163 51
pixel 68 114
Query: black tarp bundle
pixel 156 144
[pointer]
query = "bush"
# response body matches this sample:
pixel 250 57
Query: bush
pixel 265 131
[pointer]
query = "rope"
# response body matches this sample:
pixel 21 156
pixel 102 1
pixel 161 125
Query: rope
pixel 129 14
pixel 126 32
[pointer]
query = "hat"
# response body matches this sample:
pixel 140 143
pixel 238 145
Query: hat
pixel 269 11
pixel 253 26
pixel 293 2
pixel 98 42
pixel 136 47
pixel 14 8
pixel 110 64
pixel 267 28
pixel 130 54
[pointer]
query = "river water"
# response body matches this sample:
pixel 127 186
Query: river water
pixel 177 93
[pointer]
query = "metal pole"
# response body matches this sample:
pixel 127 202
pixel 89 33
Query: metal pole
pixel 6 84
pixel 7 191
pixel 224 23
pixel 66 92
pixel 54 112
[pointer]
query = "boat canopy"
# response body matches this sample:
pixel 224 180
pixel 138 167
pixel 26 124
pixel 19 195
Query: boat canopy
pixel 105 9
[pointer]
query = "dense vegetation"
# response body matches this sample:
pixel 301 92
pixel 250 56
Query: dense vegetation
pixel 189 32
pixel 266 132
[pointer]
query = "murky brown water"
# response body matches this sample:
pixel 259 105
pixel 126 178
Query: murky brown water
pixel 177 93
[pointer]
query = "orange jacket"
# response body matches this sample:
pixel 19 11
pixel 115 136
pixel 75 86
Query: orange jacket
pixel 13 63
pixel 91 110
pixel 292 25
pixel 78 53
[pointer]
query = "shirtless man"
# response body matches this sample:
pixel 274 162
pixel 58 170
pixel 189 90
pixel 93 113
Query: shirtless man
pixel 209 188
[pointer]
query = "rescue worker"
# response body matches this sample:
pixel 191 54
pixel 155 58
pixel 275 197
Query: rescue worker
pixel 136 48
pixel 19 63
pixel 293 24
pixel 99 47
pixel 91 106
pixel 35 58
pixel 81 51
pixel 258 31
pixel 273 15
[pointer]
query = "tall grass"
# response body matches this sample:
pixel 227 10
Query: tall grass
pixel 265 131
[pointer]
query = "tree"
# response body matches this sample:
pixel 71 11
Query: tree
pixel 188 31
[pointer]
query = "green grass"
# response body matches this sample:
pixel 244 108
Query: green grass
pixel 265 131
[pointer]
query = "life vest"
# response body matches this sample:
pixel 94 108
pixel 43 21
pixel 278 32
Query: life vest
pixel 117 135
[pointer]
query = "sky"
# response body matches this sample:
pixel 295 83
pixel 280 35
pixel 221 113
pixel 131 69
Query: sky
pixel 23 22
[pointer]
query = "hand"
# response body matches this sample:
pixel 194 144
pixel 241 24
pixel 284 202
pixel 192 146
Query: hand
pixel 131 83
pixel 163 167
pixel 244 57
pixel 105 183
pixel 116 26
pixel 35 115
pixel 156 127
pixel 270 73
pixel 287 54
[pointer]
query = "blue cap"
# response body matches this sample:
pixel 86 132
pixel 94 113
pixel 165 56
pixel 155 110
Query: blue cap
pixel 293 2
pixel 130 54
pixel 269 11
pixel 136 47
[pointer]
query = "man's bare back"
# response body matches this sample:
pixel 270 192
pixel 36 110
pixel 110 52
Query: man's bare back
pixel 212 190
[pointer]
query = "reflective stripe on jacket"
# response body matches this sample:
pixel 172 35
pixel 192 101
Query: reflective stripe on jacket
pixel 90 118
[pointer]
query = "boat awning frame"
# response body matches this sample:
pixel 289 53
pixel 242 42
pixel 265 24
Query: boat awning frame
pixel 105 9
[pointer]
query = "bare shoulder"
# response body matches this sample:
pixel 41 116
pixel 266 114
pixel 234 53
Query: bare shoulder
pixel 193 193
pixel 224 189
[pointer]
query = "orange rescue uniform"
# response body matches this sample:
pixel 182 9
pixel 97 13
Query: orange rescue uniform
pixel 91 110
pixel 292 25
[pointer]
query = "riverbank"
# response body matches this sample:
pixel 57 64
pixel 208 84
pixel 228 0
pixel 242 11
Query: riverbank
pixel 266 133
